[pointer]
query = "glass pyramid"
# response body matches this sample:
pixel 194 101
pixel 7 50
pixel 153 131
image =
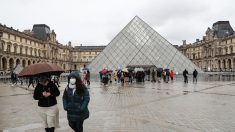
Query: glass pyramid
pixel 140 45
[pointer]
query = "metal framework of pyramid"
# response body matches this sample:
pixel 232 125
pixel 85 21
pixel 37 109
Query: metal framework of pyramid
pixel 140 45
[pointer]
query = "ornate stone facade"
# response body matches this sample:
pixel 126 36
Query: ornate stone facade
pixel 40 45
pixel 215 52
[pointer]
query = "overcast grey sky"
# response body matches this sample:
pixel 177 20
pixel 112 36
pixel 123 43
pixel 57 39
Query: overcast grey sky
pixel 96 22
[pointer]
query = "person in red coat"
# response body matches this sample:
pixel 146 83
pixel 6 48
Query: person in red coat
pixel 172 75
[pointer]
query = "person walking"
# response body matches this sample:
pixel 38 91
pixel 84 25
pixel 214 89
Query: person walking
pixel 115 76
pixel 148 75
pixel 55 79
pixel 185 74
pixel 75 101
pixel 31 82
pixel 167 75
pixel 88 77
pixel 195 73
pixel 172 75
pixel 46 92
pixel 164 75
pixel 159 75
pixel 119 75
pixel 153 76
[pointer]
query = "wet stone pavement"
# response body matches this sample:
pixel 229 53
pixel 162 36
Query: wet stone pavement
pixel 148 107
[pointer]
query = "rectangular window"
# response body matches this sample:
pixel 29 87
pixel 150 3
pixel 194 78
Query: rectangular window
pixel 20 50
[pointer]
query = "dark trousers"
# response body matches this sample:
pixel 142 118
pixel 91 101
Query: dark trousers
pixel 76 126
pixel 30 84
pixel 194 78
pixel 185 79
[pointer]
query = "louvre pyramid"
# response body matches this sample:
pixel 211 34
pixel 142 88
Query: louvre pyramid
pixel 140 45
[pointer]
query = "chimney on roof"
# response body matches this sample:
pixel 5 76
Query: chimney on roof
pixel 204 38
pixel 197 40
pixel 184 42
pixel 80 44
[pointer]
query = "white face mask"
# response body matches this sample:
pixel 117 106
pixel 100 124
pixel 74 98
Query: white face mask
pixel 72 81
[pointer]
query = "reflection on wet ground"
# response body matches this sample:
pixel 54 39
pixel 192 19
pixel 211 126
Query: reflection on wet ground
pixel 149 107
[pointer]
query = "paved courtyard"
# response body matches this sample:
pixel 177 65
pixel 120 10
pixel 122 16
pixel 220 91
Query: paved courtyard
pixel 148 107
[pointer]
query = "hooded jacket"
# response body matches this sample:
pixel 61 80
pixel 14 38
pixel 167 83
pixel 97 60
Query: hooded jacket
pixel 76 105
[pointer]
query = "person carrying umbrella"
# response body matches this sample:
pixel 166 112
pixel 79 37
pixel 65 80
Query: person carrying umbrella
pixel 75 101
pixel 46 92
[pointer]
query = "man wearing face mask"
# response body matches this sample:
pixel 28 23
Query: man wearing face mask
pixel 75 101
pixel 46 93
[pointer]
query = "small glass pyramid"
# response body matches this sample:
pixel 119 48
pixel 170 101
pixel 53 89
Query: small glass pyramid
pixel 140 45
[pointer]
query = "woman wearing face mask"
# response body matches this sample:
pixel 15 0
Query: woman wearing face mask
pixel 75 101
pixel 46 93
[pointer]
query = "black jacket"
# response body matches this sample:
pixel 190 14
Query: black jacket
pixel 185 73
pixel 195 73
pixel 46 101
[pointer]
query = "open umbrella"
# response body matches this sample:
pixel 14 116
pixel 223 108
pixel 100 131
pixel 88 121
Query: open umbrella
pixel 130 69
pixel 85 69
pixel 104 71
pixel 139 69
pixel 124 70
pixel 41 69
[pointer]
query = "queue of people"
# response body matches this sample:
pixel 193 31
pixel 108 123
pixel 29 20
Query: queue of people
pixel 154 75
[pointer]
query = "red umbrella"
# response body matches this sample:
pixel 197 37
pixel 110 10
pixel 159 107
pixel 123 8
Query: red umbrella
pixel 41 68
pixel 104 71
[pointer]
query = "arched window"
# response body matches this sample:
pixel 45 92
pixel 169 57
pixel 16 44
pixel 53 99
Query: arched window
pixel 229 64
pixel 11 63
pixel 4 63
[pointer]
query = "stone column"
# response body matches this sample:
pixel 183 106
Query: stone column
pixel 226 64
pixel 8 64
pixel 232 65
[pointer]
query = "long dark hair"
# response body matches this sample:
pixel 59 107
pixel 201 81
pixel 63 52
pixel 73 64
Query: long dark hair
pixel 80 86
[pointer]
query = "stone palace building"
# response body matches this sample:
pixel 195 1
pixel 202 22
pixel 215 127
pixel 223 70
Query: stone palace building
pixel 215 52
pixel 40 45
